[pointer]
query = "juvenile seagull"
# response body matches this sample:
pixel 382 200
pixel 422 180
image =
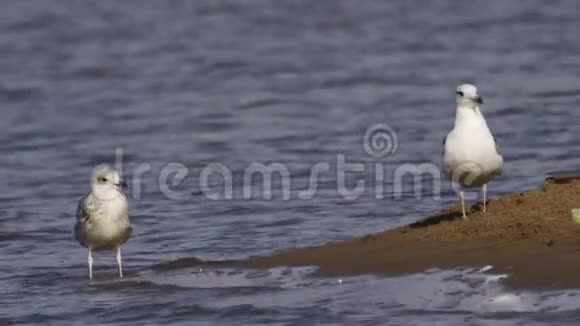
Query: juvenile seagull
pixel 470 156
pixel 102 216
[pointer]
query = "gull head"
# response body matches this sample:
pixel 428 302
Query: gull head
pixel 467 95
pixel 106 182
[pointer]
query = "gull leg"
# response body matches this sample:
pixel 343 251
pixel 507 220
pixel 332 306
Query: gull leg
pixel 484 188
pixel 90 264
pixel 119 262
pixel 462 196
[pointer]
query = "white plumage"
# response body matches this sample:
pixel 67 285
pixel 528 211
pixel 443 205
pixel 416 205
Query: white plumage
pixel 102 216
pixel 471 156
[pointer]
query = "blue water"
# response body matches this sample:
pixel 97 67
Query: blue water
pixel 146 84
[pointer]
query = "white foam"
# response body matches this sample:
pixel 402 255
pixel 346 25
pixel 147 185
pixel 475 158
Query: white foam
pixel 467 290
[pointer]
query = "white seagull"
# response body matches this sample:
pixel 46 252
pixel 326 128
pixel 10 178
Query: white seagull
pixel 470 155
pixel 102 216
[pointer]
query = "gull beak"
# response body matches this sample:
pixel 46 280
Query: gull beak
pixel 479 100
pixel 122 185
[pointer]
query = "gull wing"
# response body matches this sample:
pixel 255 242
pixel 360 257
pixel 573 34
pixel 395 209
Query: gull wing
pixel 83 214
pixel 497 148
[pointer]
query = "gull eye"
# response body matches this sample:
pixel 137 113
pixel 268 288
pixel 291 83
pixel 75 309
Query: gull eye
pixel 102 179
pixel 460 93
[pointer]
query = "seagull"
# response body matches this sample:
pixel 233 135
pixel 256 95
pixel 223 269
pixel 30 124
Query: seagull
pixel 471 156
pixel 102 216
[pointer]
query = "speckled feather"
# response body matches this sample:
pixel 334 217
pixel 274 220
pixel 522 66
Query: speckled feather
pixel 102 224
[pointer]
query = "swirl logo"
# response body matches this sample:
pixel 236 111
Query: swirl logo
pixel 380 140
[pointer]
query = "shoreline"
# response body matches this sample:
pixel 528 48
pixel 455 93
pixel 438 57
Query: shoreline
pixel 528 236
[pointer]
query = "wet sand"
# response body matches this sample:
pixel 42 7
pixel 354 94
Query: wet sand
pixel 529 236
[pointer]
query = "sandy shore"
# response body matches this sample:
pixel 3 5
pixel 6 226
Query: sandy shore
pixel 529 236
